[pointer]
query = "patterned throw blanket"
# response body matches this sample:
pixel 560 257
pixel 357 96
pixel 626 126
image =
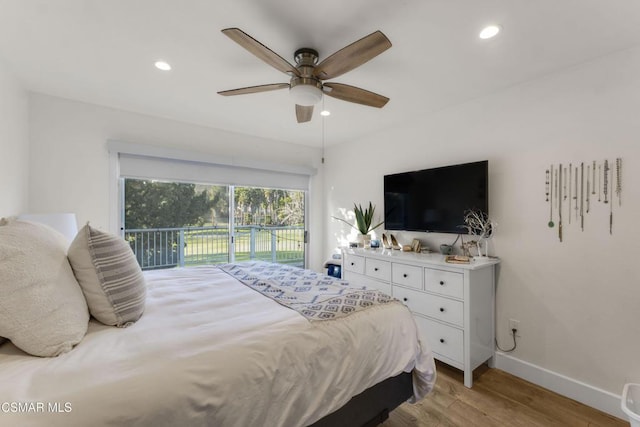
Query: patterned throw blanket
pixel 314 295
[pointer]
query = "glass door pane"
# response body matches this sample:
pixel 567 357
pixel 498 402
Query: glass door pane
pixel 269 225
pixel 170 224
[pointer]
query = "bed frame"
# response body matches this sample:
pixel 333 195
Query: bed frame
pixel 371 407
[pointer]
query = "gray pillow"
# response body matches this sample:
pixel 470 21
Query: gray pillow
pixel 42 309
pixel 109 275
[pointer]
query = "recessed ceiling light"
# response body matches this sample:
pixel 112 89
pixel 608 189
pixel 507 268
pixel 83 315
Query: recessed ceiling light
pixel 489 31
pixel 162 65
pixel 325 113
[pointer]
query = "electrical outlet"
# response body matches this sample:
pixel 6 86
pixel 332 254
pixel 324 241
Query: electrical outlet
pixel 515 324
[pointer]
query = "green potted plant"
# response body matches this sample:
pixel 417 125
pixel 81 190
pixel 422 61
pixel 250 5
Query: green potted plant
pixel 364 221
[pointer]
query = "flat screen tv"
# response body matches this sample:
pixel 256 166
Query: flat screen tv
pixel 435 200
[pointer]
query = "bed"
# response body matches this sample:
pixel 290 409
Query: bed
pixel 212 350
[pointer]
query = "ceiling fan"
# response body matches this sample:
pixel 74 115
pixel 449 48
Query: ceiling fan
pixel 306 85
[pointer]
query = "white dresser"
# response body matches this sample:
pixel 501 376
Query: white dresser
pixel 453 304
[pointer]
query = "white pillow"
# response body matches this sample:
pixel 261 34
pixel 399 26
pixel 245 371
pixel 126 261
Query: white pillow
pixel 109 275
pixel 42 309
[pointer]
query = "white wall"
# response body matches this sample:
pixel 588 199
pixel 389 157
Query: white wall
pixel 578 301
pixel 69 162
pixel 14 144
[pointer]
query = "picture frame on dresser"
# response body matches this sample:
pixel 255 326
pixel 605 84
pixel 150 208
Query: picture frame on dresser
pixel 452 304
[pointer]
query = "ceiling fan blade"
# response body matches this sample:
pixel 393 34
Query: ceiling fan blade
pixel 254 89
pixel 260 50
pixel 304 113
pixel 352 56
pixel 355 94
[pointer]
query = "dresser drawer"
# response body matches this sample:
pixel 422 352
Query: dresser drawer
pixel 356 279
pixel 354 263
pixel 406 275
pixel 439 308
pixel 444 340
pixel 444 282
pixel 378 269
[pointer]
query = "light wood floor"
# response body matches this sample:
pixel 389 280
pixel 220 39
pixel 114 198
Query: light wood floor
pixel 496 399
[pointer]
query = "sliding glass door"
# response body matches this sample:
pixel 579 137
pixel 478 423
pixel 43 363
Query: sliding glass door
pixel 171 224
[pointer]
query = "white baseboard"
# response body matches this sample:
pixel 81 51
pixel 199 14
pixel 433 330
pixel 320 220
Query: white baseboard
pixel 573 389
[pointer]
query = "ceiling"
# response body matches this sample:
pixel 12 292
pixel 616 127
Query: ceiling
pixel 103 52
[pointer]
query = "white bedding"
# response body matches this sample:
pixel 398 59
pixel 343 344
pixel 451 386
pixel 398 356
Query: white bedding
pixel 210 351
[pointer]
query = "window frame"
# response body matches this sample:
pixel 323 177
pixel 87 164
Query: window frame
pixel 118 149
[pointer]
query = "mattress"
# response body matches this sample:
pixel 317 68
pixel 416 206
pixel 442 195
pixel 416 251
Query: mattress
pixel 210 351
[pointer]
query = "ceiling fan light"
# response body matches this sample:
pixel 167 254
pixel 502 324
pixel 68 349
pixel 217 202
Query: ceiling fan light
pixel 305 95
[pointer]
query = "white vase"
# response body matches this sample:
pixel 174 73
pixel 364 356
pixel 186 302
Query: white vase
pixel 365 241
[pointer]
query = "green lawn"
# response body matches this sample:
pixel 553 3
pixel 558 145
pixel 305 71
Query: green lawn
pixel 288 257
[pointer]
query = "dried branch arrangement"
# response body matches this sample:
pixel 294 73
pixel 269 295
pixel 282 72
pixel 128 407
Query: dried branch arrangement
pixel 478 223
pixel 571 191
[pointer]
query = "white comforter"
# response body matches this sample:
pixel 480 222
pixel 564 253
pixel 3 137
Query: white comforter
pixel 209 351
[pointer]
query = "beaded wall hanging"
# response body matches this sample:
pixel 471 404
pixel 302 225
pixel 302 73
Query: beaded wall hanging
pixel 573 191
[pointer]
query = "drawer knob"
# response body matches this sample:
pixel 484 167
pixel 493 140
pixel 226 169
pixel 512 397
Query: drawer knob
pixel 441 309
pixel 405 299
pixel 442 340
pixel 404 275
pixel 441 282
pixel 353 263
pixel 375 269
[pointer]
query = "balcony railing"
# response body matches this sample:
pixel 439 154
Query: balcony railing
pixel 190 246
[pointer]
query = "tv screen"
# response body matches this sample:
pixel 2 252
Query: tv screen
pixel 435 199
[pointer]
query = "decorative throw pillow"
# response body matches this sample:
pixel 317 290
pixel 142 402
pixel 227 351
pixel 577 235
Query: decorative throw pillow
pixel 42 309
pixel 109 275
